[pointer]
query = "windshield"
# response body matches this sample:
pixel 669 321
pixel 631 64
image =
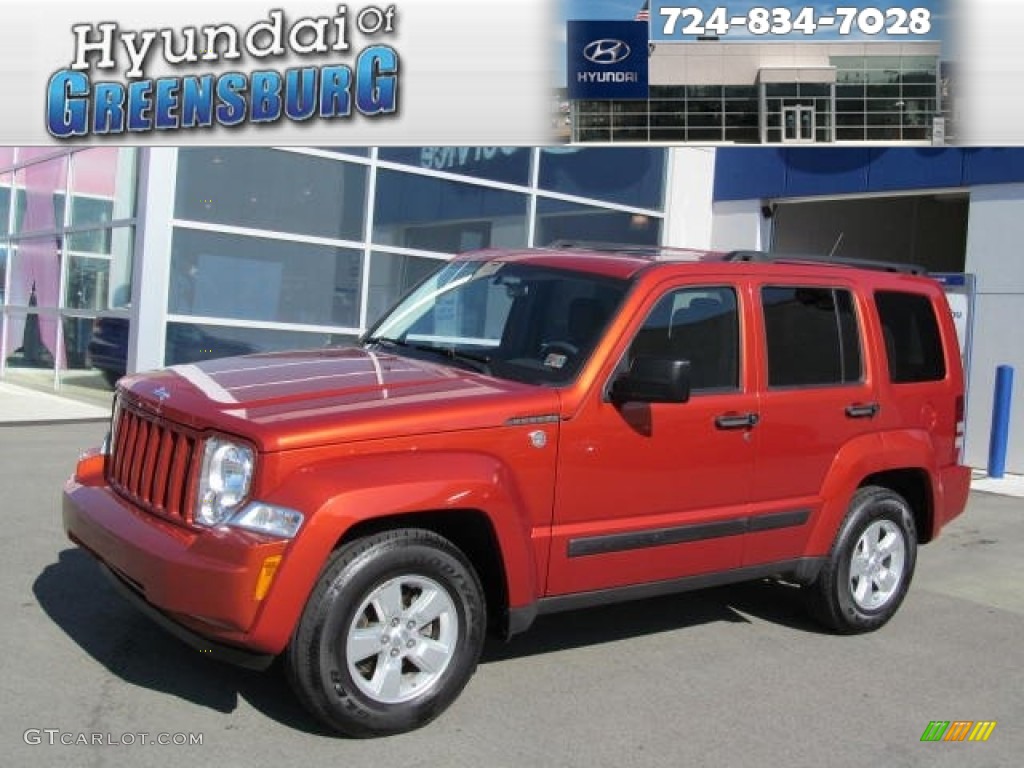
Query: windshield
pixel 518 321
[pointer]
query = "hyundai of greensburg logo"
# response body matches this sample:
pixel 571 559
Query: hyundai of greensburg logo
pixel 109 85
pixel 606 51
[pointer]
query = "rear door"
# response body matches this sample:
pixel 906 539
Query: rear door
pixel 817 397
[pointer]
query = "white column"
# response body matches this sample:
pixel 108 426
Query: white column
pixel 740 225
pixel 995 232
pixel 152 258
pixel 690 186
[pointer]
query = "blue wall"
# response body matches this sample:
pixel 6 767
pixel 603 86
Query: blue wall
pixel 745 173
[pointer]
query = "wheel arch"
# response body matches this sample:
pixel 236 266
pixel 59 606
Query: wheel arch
pixel 913 485
pixel 471 532
pixel 356 497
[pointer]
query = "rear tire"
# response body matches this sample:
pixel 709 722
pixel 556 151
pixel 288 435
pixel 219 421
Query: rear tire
pixel 871 564
pixel 390 635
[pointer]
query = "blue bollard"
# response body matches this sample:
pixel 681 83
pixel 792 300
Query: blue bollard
pixel 1000 421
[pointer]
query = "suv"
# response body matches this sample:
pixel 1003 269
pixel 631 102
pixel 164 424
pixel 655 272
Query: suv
pixel 529 432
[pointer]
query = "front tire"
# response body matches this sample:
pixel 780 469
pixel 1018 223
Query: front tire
pixel 871 564
pixel 391 634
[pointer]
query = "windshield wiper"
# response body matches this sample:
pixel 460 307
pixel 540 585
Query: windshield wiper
pixel 479 363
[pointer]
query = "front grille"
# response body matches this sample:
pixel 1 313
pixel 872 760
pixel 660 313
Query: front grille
pixel 151 463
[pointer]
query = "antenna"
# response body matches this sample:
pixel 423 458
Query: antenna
pixel 836 246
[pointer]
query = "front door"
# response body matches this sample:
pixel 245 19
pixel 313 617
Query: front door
pixel 798 124
pixel 652 492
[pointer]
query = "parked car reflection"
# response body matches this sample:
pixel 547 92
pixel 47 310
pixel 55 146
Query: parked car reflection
pixel 108 346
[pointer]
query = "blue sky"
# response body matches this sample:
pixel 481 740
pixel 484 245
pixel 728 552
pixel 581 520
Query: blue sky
pixel 626 9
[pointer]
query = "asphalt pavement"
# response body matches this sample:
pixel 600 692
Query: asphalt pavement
pixel 731 677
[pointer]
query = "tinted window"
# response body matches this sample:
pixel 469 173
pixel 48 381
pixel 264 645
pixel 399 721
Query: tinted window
pixel 696 324
pixel 912 342
pixel 561 220
pixel 631 176
pixel 526 322
pixel 812 336
pixel 271 189
pixel 256 278
pixel 508 164
pixel 446 216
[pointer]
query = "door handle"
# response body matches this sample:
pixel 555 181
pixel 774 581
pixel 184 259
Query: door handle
pixel 862 410
pixel 736 420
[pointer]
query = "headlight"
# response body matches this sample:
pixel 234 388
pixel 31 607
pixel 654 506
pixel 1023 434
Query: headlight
pixel 224 481
pixel 268 518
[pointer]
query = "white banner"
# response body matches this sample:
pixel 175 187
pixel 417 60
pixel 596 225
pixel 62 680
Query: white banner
pixel 387 72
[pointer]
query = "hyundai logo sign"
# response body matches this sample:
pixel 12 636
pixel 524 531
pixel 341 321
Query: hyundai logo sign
pixel 606 59
pixel 607 51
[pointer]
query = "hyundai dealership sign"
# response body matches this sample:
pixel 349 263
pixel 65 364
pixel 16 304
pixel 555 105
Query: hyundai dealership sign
pixel 607 59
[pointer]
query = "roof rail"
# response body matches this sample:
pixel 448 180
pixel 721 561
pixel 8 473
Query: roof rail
pixel 633 249
pixel 800 258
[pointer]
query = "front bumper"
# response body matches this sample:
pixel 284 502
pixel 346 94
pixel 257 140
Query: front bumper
pixel 204 581
pixel 229 653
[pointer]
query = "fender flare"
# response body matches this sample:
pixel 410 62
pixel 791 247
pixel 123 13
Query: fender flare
pixel 862 457
pixel 334 496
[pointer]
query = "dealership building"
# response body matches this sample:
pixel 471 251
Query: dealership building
pixel 203 251
pixel 775 93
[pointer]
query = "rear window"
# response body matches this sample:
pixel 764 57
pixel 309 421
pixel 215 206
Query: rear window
pixel 913 345
pixel 812 336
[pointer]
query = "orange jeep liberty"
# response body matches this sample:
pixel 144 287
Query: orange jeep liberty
pixel 529 432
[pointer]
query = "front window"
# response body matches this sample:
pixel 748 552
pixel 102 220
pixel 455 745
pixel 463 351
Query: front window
pixel 518 321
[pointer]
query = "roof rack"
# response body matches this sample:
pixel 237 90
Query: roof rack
pixel 799 258
pixel 632 249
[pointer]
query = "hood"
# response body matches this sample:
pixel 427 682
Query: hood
pixel 301 399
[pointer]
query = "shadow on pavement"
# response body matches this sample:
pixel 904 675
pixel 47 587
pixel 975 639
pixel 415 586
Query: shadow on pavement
pixel 77 597
pixel 767 600
pixel 80 600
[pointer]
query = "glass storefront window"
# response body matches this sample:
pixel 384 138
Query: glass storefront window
pixel 99 269
pixel 561 220
pixel 391 276
pixel 6 180
pixel 695 133
pixel 58 281
pixel 25 154
pixel 102 186
pixel 668 91
pixel 6 157
pixel 273 190
pixel 37 190
pixel 445 216
pixel 194 342
pixel 740 92
pixel 630 176
pixel 5 212
pixel 354 151
pixel 594 134
pixel 704 91
pixel 508 164
pixel 254 278
pixel 34 283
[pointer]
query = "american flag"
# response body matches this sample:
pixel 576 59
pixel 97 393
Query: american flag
pixel 644 14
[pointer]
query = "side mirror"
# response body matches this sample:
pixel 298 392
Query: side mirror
pixel 653 380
